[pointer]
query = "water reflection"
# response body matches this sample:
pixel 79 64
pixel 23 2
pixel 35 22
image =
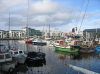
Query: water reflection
pixel 37 63
pixel 65 55
pixel 21 68
pixel 35 59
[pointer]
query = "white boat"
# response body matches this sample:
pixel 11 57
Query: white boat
pixel 6 62
pixel 4 55
pixel 16 52
pixel 39 42
pixel 18 55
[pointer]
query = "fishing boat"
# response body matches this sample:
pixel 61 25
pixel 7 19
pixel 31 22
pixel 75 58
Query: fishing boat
pixel 66 47
pixel 87 50
pixel 87 47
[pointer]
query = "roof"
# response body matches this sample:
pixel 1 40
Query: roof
pixel 1 30
pixel 16 30
pixel 92 30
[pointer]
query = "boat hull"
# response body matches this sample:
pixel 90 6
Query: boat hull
pixel 40 43
pixel 29 41
pixel 70 50
pixel 97 48
pixel 87 51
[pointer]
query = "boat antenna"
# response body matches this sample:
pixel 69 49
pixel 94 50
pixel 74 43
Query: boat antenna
pixel 84 15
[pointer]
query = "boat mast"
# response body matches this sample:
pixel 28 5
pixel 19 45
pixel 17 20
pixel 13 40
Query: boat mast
pixel 96 33
pixel 43 32
pixel 27 32
pixel 49 30
pixel 9 29
pixel 9 25
pixel 84 15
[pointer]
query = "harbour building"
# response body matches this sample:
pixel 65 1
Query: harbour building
pixel 90 34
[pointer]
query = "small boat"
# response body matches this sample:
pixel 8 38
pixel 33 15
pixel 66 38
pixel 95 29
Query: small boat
pixel 97 48
pixel 18 55
pixel 68 49
pixel 39 42
pixel 6 62
pixel 16 52
pixel 34 57
pixel 4 55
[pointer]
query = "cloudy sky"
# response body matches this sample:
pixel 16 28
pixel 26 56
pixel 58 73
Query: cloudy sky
pixel 60 14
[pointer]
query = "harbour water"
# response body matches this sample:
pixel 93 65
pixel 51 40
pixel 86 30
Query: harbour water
pixel 57 62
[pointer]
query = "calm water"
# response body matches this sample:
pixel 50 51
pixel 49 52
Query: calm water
pixel 56 61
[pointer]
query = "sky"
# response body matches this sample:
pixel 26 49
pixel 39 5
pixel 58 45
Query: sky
pixel 61 15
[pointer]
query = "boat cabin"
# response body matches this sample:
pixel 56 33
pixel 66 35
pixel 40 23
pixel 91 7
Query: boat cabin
pixel 60 42
pixel 16 52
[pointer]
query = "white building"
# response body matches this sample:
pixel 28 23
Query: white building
pixel 1 33
pixel 52 34
pixel 17 34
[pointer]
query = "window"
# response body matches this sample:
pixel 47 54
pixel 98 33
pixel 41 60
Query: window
pixel 20 52
pixel 1 56
pixel 7 56
pixel 15 52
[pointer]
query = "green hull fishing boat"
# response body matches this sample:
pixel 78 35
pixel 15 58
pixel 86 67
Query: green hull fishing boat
pixel 68 49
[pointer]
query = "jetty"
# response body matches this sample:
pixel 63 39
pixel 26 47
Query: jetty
pixel 80 69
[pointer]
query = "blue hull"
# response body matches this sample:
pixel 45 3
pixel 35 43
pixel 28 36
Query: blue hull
pixel 97 48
